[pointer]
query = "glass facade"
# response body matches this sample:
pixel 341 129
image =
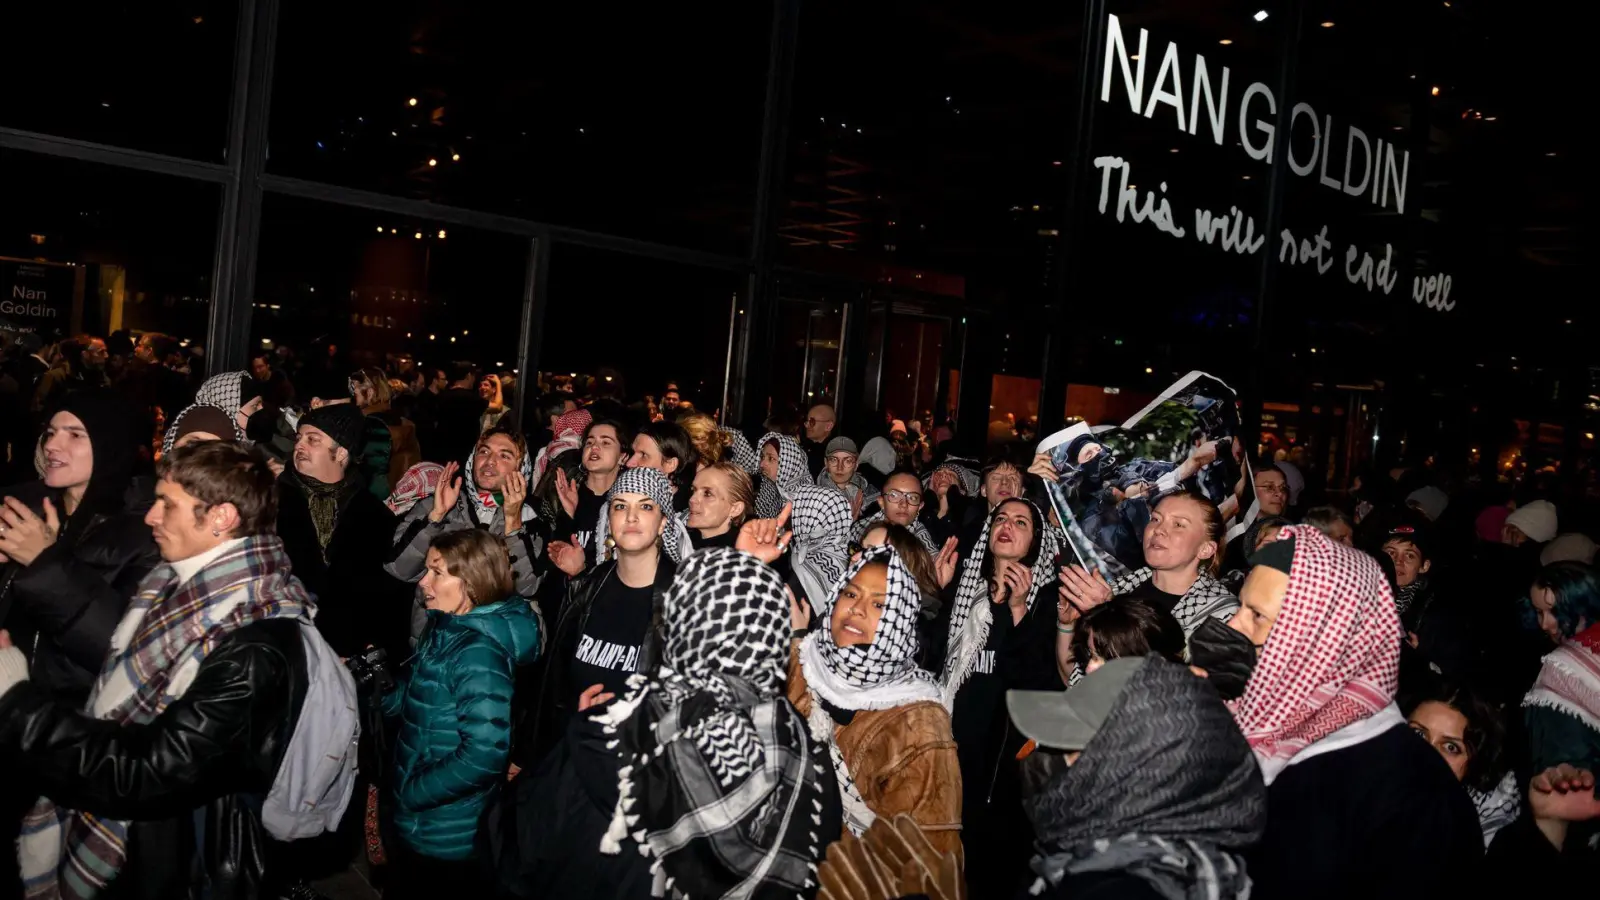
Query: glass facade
pixel 1358 214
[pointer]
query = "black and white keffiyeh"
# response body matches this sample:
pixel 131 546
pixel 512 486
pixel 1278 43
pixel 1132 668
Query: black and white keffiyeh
pixel 972 613
pixel 224 391
pixel 919 530
pixel 880 675
pixel 483 502
pixel 652 484
pixel 966 475
pixel 719 782
pixel 1207 598
pixel 860 485
pixel 793 474
pixel 820 548
pixel 744 456
pixel 170 437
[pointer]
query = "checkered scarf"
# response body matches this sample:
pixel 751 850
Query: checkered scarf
pixel 483 502
pixel 652 484
pixel 719 784
pixel 744 456
pixel 919 530
pixel 820 550
pixel 1207 598
pixel 568 431
pixel 1569 680
pixel 973 612
pixel 966 476
pixel 167 632
pixel 880 675
pixel 223 391
pixel 1332 658
pixel 793 474
pixel 421 480
pixel 170 437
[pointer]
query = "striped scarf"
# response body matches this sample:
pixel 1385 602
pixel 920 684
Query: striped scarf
pixel 170 627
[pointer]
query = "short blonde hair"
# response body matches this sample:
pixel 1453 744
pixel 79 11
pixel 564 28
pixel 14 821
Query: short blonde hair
pixel 481 561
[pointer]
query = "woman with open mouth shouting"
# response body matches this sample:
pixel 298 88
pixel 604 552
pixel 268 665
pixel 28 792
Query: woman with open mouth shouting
pixel 856 679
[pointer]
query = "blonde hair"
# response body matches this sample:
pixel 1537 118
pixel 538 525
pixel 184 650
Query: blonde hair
pixel 708 440
pixel 740 490
pixel 375 381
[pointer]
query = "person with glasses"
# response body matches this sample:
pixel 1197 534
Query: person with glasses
pixel 1272 490
pixel 899 505
pixel 814 438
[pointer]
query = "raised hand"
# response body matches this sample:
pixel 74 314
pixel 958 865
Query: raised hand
pixel 1014 584
pixel 765 539
pixel 1080 592
pixel 23 535
pixel 944 566
pixel 515 492
pixel 565 557
pixel 1044 468
pixel 567 492
pixel 447 494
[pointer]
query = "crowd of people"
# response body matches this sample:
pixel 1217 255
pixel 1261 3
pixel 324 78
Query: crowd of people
pixel 257 625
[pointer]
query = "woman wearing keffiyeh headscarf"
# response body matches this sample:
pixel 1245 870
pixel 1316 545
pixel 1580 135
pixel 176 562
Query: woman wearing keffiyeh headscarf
pixel 721 785
pixel 821 524
pixel 783 473
pixel 1001 637
pixel 1353 795
pixel 856 679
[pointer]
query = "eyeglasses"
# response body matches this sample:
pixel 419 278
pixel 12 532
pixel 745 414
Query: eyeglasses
pixel 906 497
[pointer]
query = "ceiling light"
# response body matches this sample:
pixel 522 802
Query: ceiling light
pixel 441 234
pixel 435 162
pixel 455 157
pixel 380 229
pixel 1435 90
pixel 1260 16
pixel 1225 41
pixel 418 235
pixel 412 102
pixel 1149 371
pixel 1327 24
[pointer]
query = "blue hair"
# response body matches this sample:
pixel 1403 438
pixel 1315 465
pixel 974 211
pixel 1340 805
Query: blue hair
pixel 1577 595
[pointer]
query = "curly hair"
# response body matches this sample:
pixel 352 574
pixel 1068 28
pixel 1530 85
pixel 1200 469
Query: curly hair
pixel 709 440
pixel 1484 734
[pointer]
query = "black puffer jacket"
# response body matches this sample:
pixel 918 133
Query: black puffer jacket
pixel 208 758
pixel 62 608
pixel 543 724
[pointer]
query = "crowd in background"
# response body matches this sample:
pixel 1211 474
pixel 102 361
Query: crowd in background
pixel 626 649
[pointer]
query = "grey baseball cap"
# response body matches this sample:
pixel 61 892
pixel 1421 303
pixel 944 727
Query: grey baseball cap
pixel 1068 720
pixel 841 445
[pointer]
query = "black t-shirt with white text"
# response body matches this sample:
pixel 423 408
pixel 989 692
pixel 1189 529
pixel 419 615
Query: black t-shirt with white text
pixel 612 637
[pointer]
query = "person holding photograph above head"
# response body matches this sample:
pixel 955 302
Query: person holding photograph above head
pixel 901 500
pixel 1182 552
pixel 720 783
pixel 1354 800
pixel 453 704
pixel 720 504
pixel 1000 637
pixel 855 678
pixel 666 447
pixel 1139 786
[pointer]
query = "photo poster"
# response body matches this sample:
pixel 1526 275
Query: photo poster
pixel 1110 476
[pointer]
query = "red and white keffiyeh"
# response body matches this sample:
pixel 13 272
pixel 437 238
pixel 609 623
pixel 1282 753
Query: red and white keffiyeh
pixel 568 435
pixel 1333 656
pixel 1569 680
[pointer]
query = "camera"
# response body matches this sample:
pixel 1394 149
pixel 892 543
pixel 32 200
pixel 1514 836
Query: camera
pixel 370 670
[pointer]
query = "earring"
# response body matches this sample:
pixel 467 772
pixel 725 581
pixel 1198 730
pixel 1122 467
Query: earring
pixel 611 543
pixel 216 532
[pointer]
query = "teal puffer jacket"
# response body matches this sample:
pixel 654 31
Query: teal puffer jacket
pixel 455 723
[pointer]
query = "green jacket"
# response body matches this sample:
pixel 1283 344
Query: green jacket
pixel 455 723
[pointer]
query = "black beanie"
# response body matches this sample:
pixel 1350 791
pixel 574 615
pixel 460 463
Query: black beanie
pixel 104 414
pixel 1277 554
pixel 343 422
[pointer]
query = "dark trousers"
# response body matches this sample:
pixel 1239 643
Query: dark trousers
pixel 412 876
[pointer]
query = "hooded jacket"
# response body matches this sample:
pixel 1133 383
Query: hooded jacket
pixel 454 741
pixel 62 608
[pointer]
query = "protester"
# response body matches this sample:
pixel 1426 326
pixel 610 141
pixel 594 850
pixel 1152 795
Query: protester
pixel 454 708
pixel 1000 638
pixel 458 417
pixel 1562 711
pixel 1272 491
pixel 339 537
pixel 819 550
pixel 951 500
pixel 1126 626
pixel 721 502
pixel 1570 547
pixel 855 678
pixel 839 473
pixel 1141 786
pixel 1428 500
pixel 185 729
pixel 721 785
pixel 1332 521
pixel 1182 552
pixel 783 474
pixel 710 443
pixel 1354 798
pixel 743 455
pixel 816 436
pixel 901 500
pixel 371 391
pixel 606 445
pixel 1468 733
pixel 199 422
pixel 1534 523
pixel 666 447
pixel 73 545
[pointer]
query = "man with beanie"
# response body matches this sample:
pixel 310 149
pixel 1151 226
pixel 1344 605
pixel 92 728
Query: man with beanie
pixel 839 473
pixel 338 536
pixel 1534 522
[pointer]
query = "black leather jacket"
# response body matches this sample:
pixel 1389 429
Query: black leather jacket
pixel 192 778
pixel 543 725
pixel 62 609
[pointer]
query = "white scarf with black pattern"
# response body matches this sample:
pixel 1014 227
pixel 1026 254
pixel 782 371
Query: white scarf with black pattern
pixel 793 474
